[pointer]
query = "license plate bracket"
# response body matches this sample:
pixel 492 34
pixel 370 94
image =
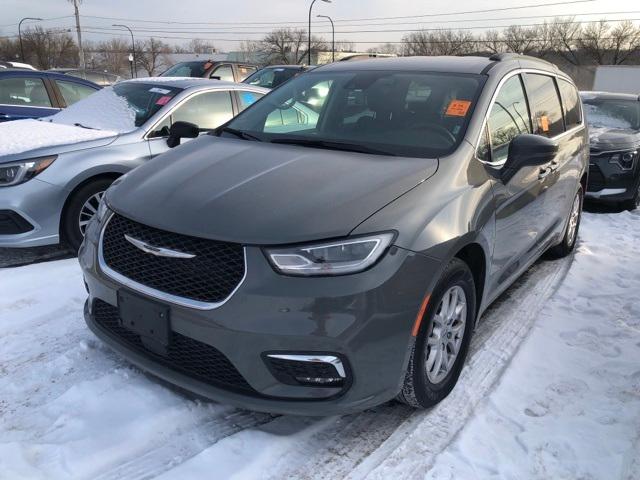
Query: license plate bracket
pixel 148 318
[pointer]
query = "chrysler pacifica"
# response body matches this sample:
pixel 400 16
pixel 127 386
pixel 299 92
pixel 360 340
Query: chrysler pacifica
pixel 333 246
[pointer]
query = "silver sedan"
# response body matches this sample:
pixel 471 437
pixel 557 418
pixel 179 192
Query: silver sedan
pixel 53 171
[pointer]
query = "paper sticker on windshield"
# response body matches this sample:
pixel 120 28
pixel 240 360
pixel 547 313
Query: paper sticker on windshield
pixel 544 123
pixel 161 91
pixel 458 108
pixel 163 100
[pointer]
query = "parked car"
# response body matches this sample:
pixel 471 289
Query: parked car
pixel 34 94
pixel 274 75
pixel 53 172
pixel 614 130
pixel 227 71
pixel 345 261
pixel 104 79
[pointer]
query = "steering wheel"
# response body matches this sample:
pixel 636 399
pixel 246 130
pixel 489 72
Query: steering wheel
pixel 437 129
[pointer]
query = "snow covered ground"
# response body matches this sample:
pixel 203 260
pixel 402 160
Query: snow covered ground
pixel 551 390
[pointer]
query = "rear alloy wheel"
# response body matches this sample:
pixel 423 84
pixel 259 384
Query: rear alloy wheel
pixel 80 210
pixel 443 339
pixel 566 246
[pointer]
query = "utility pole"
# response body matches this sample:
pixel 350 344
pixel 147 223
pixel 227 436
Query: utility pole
pixel 80 49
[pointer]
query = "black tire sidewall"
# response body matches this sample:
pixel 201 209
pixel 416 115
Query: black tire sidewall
pixel 70 229
pixel 427 393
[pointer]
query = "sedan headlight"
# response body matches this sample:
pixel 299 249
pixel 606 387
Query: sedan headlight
pixel 24 170
pixel 340 257
pixel 624 160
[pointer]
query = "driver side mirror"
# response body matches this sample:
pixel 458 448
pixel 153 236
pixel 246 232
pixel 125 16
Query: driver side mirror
pixel 181 130
pixel 527 150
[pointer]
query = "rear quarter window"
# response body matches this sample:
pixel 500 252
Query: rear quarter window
pixel 545 105
pixel 571 104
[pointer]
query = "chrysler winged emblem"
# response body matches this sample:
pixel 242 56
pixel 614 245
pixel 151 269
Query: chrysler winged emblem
pixel 157 251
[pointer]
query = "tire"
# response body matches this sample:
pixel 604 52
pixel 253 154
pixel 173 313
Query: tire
pixel 568 243
pixel 72 234
pixel 422 388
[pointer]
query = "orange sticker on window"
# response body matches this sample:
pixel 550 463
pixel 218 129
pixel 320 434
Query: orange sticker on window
pixel 458 108
pixel 544 123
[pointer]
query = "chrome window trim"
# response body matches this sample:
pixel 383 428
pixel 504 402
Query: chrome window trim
pixel 28 106
pixel 158 294
pixel 332 359
pixel 504 79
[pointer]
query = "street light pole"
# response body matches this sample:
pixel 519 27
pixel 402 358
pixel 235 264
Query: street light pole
pixel 20 34
pixel 133 48
pixel 311 7
pixel 333 37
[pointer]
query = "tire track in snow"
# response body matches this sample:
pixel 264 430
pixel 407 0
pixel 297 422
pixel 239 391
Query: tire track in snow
pixel 374 442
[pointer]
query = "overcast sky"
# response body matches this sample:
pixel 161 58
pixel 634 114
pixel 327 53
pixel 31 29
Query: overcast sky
pixel 235 16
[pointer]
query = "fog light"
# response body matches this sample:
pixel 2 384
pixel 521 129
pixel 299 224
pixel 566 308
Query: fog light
pixel 307 370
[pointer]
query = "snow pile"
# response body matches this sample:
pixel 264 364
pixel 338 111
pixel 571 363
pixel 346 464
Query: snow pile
pixel 23 135
pixel 569 405
pixel 103 110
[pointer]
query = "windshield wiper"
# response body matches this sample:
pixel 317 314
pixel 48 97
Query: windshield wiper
pixel 347 147
pixel 83 126
pixel 240 134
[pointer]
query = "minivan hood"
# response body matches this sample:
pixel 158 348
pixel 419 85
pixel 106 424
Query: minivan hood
pixel 261 193
pixel 21 139
pixel 611 139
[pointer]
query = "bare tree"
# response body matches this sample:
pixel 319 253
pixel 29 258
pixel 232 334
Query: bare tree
pixel 48 49
pixel 610 45
pixel 287 45
pixel 111 55
pixel 440 42
pixel 492 41
pixel 518 39
pixel 345 46
pixel 152 55
pixel 197 45
pixel 565 35
pixel 388 48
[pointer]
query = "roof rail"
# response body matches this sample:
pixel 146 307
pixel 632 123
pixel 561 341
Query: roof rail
pixel 498 57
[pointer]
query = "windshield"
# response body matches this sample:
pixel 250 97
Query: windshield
pixel 120 108
pixel 271 77
pixel 187 69
pixel 612 113
pixel 392 113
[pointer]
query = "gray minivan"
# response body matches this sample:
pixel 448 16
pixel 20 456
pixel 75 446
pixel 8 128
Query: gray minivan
pixel 331 262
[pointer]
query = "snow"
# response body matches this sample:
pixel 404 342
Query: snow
pixel 551 390
pixel 23 135
pixel 103 110
pixel 596 118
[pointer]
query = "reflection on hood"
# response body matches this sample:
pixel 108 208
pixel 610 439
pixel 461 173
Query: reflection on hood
pixel 103 110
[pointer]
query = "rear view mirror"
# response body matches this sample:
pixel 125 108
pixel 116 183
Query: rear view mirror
pixel 181 130
pixel 527 150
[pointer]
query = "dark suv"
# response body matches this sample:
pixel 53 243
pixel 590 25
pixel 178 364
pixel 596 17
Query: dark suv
pixel 614 131
pixel 227 71
pixel 333 246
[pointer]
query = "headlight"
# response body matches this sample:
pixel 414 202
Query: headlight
pixel 624 160
pixel 331 258
pixel 19 172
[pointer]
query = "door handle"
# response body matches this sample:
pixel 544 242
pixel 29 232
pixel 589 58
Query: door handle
pixel 554 165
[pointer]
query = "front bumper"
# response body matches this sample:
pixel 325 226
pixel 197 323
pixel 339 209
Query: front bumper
pixel 609 183
pixel 364 318
pixel 37 203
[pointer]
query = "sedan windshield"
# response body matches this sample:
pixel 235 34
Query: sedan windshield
pixel 392 113
pixel 120 108
pixel 612 113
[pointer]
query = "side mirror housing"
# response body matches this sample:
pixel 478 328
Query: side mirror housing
pixel 527 150
pixel 181 130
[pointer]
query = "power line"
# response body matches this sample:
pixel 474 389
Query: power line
pixel 344 32
pixel 287 22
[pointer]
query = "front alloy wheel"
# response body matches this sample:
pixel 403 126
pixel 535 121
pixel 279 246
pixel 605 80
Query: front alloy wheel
pixel 443 338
